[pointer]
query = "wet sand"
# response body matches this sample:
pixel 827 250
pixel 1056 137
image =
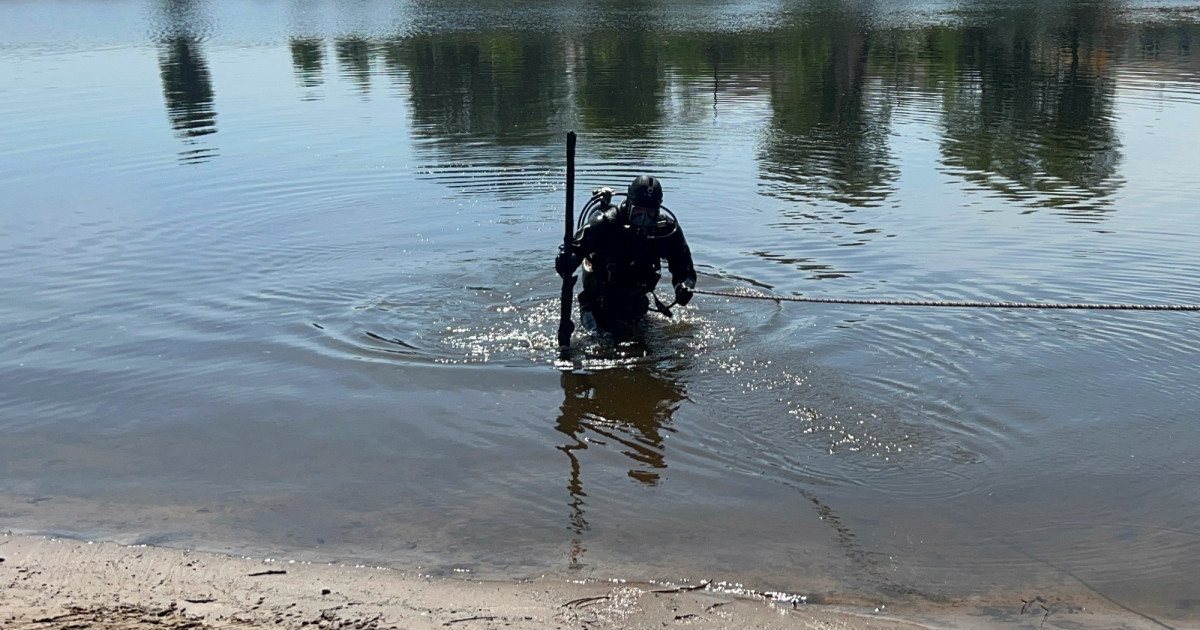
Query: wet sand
pixel 58 583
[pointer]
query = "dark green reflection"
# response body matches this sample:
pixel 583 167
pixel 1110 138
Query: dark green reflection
pixel 354 61
pixel 503 86
pixel 308 61
pixel 622 82
pixel 626 409
pixel 829 137
pixel 1033 103
pixel 186 79
pixel 1019 96
pixel 187 86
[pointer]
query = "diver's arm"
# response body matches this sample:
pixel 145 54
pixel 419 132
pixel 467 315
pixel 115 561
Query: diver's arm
pixel 589 237
pixel 585 243
pixel 679 260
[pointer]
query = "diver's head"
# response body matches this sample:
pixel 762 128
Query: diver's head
pixel 643 201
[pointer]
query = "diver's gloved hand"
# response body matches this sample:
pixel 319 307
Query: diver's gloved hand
pixel 566 262
pixel 606 191
pixel 683 292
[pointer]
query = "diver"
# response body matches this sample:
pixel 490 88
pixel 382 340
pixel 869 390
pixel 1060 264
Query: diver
pixel 621 248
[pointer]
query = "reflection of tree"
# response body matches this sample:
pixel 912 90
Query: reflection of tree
pixel 308 60
pixel 829 139
pixel 622 82
pixel 1034 109
pixel 1026 94
pixel 187 86
pixel 354 60
pixel 628 409
pixel 719 67
pixel 187 82
pixel 485 98
pixel 497 85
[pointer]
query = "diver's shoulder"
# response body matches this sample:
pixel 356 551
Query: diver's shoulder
pixel 605 216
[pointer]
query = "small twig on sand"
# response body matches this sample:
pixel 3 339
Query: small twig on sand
pixel 584 600
pixel 1026 604
pixel 483 618
pixel 681 589
pixel 271 572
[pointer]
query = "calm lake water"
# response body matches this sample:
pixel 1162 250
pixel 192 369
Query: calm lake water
pixel 276 278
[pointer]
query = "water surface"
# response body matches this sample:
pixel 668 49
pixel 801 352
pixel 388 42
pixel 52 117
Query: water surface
pixel 276 278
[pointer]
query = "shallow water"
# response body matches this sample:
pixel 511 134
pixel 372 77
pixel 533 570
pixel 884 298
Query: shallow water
pixel 275 277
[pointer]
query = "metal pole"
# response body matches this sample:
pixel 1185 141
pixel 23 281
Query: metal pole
pixel 565 325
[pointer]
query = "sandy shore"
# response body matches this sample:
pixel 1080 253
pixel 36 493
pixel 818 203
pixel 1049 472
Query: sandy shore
pixel 70 585
pixel 56 583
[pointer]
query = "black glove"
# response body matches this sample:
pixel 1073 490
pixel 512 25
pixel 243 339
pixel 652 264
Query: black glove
pixel 566 262
pixel 683 292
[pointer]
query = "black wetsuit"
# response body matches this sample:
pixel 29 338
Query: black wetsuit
pixel 622 264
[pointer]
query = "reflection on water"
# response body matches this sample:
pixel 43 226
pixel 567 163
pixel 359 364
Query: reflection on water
pixel 1034 117
pixel 502 86
pixel 622 81
pixel 187 83
pixel 308 59
pixel 628 409
pixel 187 87
pixel 1026 97
pixel 829 131
pixel 354 61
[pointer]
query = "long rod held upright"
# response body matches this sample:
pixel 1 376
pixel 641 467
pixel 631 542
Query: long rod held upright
pixel 565 325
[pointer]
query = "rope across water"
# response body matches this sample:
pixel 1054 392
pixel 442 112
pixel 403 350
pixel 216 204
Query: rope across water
pixel 1041 305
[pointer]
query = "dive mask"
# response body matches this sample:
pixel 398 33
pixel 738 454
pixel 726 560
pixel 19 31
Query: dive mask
pixel 643 217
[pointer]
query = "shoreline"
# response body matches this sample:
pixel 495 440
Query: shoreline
pixel 55 582
pixel 62 583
